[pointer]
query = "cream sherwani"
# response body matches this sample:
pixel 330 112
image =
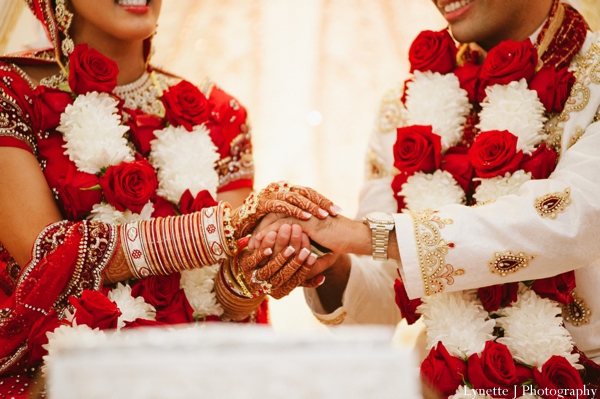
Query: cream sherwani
pixel 550 227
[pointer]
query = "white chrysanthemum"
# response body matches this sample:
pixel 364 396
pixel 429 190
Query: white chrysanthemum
pixel 65 336
pixel 464 392
pixel 107 213
pixel 93 133
pixel 459 320
pixel 515 108
pixel 496 187
pixel 131 308
pixel 438 101
pixel 431 190
pixel 198 286
pixel 534 331
pixel 184 160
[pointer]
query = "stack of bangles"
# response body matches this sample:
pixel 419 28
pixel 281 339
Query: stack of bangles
pixel 232 290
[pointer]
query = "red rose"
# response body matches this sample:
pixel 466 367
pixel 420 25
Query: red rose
pixel 38 338
pixel 186 105
pixel 95 310
pixel 162 207
pixel 141 129
pixel 498 296
pixel 433 51
pixel 557 288
pixel 507 62
pixel 188 204
pixel 137 323
pixel 158 291
pixel 417 148
pixel 443 371
pixel 456 162
pixel 74 194
pixel 558 374
pixel 129 185
pixel 397 183
pixel 468 76
pixel 553 87
pixel 48 104
pixel 408 307
pixel 89 70
pixel 179 310
pixel 494 153
pixel 540 163
pixel 495 368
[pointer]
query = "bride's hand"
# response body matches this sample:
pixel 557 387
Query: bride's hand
pixel 281 198
pixel 282 272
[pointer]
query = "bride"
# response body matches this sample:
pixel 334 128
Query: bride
pixel 122 191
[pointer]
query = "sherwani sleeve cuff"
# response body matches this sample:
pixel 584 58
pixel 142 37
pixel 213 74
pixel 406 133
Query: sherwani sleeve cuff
pixel 409 255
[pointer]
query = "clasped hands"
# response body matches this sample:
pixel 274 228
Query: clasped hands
pixel 278 255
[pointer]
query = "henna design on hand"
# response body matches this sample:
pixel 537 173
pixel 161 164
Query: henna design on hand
pixel 298 202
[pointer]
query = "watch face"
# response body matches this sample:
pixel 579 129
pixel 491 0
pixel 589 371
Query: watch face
pixel 380 217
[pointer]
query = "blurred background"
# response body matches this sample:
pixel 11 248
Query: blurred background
pixel 310 72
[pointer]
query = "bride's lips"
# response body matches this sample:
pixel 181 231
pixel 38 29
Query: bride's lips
pixel 453 10
pixel 134 6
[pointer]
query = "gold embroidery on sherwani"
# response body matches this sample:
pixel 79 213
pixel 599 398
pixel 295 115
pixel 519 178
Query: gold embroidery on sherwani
pixel 390 112
pixel 333 322
pixel 509 262
pixel 376 166
pixel 579 131
pixel 432 250
pixel 587 73
pixel 550 205
pixel 576 312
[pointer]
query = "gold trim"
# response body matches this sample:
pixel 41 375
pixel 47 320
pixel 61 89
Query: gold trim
pixel 550 205
pixel 550 33
pixel 509 262
pixel 333 322
pixel 587 72
pixel 432 250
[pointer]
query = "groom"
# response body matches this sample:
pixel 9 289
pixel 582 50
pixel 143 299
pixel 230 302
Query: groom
pixel 532 170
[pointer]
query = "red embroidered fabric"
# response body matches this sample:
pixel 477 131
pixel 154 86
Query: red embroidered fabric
pixel 567 40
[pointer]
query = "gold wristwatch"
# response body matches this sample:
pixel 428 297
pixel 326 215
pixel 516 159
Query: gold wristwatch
pixel 381 224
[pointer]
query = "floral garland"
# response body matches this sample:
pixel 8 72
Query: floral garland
pixel 109 179
pixel 475 133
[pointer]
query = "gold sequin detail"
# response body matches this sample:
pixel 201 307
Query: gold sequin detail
pixel 376 168
pixel 432 250
pixel 576 312
pixel 549 206
pixel 509 262
pixel 333 322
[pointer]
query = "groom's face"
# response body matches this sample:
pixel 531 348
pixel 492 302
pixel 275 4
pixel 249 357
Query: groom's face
pixel 486 22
